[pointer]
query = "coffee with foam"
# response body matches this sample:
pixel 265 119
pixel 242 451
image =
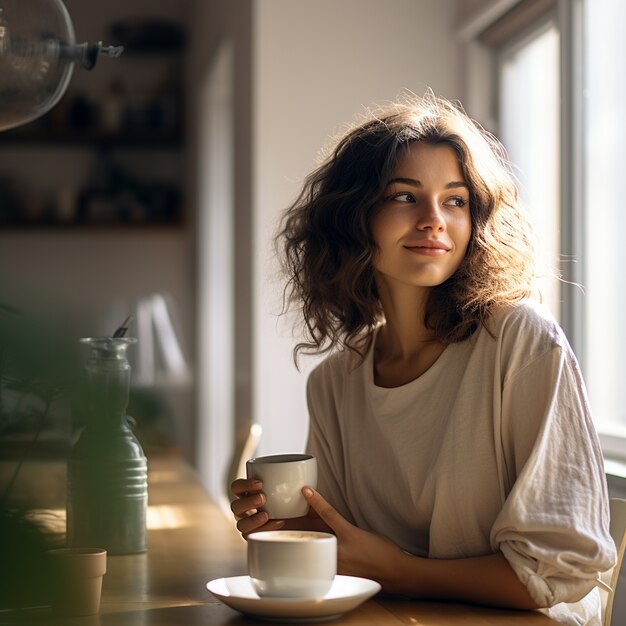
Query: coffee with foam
pixel 292 563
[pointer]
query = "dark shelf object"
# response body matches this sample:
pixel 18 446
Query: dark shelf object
pixel 107 123
pixel 98 227
pixel 92 138
pixel 148 35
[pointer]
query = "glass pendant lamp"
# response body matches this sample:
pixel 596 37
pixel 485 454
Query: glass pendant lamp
pixel 38 51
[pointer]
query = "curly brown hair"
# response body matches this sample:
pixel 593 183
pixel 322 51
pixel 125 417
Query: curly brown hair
pixel 327 244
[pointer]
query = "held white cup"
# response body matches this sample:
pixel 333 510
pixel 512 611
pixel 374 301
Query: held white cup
pixel 283 477
pixel 292 563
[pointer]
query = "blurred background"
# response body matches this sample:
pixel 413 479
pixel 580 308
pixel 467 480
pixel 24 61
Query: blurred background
pixel 153 188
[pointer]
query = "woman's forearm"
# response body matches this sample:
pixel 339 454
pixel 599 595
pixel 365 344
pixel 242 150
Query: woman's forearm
pixel 488 580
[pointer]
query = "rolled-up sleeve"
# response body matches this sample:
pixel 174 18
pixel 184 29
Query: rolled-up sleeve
pixel 554 525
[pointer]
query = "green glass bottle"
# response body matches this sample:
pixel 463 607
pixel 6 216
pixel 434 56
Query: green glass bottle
pixel 107 471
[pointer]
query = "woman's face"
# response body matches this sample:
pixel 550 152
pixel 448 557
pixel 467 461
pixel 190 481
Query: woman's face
pixel 423 227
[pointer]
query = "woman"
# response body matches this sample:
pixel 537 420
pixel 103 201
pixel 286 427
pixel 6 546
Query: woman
pixel 457 454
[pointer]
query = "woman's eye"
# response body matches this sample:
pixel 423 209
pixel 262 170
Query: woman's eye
pixel 457 202
pixel 403 196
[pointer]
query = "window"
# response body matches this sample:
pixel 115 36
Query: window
pixel 528 99
pixel 605 212
pixel 555 96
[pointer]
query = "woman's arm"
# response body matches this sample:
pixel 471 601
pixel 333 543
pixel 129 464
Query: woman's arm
pixel 488 580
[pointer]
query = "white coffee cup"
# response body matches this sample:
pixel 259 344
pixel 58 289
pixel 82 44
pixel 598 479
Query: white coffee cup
pixel 283 477
pixel 292 563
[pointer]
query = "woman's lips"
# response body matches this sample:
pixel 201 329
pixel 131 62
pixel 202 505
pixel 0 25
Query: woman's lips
pixel 428 248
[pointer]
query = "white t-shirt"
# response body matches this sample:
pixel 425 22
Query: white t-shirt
pixel 491 449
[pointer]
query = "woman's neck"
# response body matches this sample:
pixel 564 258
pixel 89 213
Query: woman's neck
pixel 404 348
pixel 404 332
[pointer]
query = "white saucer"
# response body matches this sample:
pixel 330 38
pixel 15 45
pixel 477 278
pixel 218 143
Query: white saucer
pixel 346 593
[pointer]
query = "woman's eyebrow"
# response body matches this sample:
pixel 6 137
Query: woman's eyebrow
pixel 406 181
pixel 417 183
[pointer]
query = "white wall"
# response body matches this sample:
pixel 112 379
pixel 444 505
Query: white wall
pixel 316 64
pixel 217 26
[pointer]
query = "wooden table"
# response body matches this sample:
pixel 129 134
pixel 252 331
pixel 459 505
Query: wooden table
pixel 191 541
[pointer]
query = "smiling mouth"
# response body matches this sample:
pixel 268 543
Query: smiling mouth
pixel 428 249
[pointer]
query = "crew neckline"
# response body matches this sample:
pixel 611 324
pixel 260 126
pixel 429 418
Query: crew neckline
pixel 369 364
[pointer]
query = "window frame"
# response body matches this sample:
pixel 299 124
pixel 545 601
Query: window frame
pixel 483 59
pixel 503 54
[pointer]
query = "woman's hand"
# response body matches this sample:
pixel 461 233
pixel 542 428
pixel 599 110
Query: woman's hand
pixel 486 579
pixel 359 553
pixel 249 498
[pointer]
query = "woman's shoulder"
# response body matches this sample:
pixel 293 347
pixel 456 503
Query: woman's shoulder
pixel 325 368
pixel 341 363
pixel 331 380
pixel 527 327
pixel 337 364
pixel 526 315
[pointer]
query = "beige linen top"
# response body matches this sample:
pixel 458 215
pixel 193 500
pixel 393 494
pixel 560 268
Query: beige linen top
pixel 491 449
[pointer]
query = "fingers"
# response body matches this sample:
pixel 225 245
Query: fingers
pixel 243 486
pixel 258 522
pixel 248 505
pixel 326 512
pixel 248 497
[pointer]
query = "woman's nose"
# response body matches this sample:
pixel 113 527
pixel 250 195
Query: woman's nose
pixel 429 217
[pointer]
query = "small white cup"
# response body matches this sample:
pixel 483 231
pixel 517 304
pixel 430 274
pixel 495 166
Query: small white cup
pixel 283 477
pixel 292 563
pixel 77 580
